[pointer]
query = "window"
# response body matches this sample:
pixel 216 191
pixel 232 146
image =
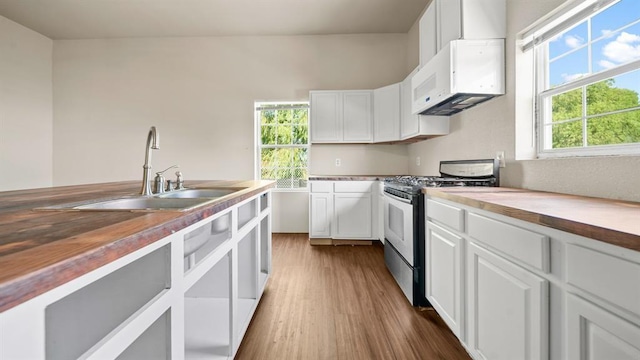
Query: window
pixel 283 143
pixel 588 80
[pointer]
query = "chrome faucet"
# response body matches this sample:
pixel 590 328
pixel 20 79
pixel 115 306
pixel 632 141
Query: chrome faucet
pixel 153 142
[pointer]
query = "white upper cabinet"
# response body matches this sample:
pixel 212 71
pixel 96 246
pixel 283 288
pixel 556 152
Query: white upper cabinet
pixel 341 116
pixel 386 113
pixel 326 116
pixel 357 119
pixel 418 126
pixel 447 20
pixel 427 34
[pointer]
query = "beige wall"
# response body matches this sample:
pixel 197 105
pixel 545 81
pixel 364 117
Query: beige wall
pixel 481 131
pixel 199 93
pixel 25 108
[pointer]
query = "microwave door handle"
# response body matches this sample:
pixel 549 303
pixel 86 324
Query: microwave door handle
pixel 393 197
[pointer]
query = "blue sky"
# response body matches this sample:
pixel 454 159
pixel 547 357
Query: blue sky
pixel 611 46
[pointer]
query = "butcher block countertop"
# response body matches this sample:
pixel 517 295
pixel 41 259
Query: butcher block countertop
pixel 40 249
pixel 612 221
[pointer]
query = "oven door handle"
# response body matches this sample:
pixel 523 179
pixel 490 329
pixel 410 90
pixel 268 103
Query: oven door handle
pixel 391 196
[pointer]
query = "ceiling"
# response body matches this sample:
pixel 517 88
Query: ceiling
pixel 91 19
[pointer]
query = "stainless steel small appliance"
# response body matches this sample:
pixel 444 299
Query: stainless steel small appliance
pixel 404 218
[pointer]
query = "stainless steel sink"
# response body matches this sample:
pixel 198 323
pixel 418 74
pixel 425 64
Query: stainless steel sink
pixel 144 203
pixel 178 200
pixel 141 203
pixel 198 193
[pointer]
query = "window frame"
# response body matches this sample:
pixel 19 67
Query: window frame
pixel 543 94
pixel 283 105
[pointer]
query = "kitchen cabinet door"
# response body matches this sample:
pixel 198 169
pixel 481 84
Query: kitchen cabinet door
pixel 326 116
pixel 386 113
pixel 507 308
pixel 594 333
pixel 449 21
pixel 320 215
pixel 409 123
pixel 443 288
pixel 427 29
pixel 352 216
pixel 357 116
pixel 470 19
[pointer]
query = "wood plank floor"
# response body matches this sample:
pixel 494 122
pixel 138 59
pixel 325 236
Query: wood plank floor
pixel 340 302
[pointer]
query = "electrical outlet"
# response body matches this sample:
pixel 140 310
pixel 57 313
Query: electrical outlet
pixel 338 162
pixel 500 157
pixel 417 160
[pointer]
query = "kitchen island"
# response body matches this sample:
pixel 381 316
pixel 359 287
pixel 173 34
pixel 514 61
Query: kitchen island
pixel 57 263
pixel 528 274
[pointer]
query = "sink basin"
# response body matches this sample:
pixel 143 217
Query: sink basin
pixel 139 203
pixel 199 193
pixel 143 203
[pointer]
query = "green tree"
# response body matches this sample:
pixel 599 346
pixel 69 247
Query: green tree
pixel 602 97
pixel 287 165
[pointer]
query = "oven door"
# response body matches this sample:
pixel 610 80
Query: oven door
pixel 398 225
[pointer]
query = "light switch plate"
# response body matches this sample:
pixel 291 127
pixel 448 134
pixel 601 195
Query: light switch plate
pixel 500 157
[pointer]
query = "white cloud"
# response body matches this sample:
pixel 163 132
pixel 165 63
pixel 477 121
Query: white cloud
pixel 625 48
pixel 569 77
pixel 573 41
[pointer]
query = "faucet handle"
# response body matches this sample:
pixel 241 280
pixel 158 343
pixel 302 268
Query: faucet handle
pixel 170 167
pixel 179 180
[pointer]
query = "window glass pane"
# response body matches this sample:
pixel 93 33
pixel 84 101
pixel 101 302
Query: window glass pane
pixel 284 157
pixel 285 116
pixel 268 174
pixel 268 158
pixel 267 117
pixel 300 134
pixel 621 128
pixel 268 134
pixel 567 106
pixel 299 157
pixel 569 67
pixel 285 135
pixel 618 93
pixel 566 135
pixel 617 48
pixel 569 40
pixel 614 17
pixel 300 116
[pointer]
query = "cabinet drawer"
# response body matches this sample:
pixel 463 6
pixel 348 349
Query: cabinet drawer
pixel 608 277
pixel 524 245
pixel 352 186
pixel 322 186
pixel 451 216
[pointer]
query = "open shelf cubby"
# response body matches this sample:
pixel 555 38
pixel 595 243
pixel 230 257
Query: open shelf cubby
pixel 153 343
pixel 247 212
pixel 265 251
pixel 247 278
pixel 205 239
pixel 77 322
pixel 207 314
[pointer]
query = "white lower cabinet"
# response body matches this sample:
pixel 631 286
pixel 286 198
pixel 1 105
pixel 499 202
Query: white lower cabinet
pixel 190 295
pixel 507 308
pixel 529 291
pixel 343 210
pixel 320 213
pixel 352 215
pixel 594 333
pixel 444 286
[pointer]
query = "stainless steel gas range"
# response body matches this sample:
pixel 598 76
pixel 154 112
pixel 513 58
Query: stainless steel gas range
pixel 404 218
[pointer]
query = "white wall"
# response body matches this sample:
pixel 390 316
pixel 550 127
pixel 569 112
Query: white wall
pixel 481 131
pixel 199 93
pixel 25 108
